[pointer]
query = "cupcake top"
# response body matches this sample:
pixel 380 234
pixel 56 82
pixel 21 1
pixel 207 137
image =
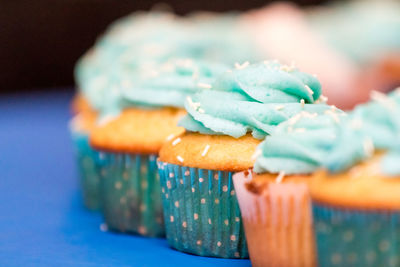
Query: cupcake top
pixel 152 84
pixel 137 47
pixel 308 142
pixel 362 187
pixel 252 98
pixel 380 119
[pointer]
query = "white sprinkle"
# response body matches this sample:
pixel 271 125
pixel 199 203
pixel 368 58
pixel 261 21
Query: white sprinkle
pixel 256 154
pixel 286 68
pixel 242 66
pixel 322 99
pixel 105 120
pixel 368 147
pixel 302 103
pixel 356 123
pixel 279 107
pixel 179 158
pixel 194 105
pixel 195 75
pixel 378 96
pixel 300 130
pixel 204 85
pixel 382 98
pixel 334 115
pixel 205 150
pixel 309 89
pixel 293 120
pixel 127 84
pixel 169 137
pixel 280 177
pixel 176 141
pixel 200 110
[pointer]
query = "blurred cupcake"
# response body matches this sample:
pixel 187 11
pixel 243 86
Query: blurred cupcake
pixel 274 197
pixel 88 160
pixel 357 216
pixel 129 55
pixel 357 212
pixel 148 102
pixel 200 207
pixel 371 42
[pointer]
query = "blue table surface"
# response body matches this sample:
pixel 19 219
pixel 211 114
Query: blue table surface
pixel 42 221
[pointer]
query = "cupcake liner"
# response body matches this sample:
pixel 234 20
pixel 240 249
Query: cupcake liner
pixel 130 190
pixel 278 223
pixel 350 237
pixel 201 212
pixel 89 163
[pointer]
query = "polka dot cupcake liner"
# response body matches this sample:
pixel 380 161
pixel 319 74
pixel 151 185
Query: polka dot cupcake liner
pixel 89 163
pixel 278 223
pixel 201 212
pixel 130 191
pixel 348 237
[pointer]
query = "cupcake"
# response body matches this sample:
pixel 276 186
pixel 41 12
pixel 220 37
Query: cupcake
pixel 128 55
pixel 223 126
pixel 356 212
pixel 88 160
pixel 148 104
pixel 274 196
pixel 357 215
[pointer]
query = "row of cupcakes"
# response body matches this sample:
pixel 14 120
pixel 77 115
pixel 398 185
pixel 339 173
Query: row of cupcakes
pixel 134 108
pixel 195 195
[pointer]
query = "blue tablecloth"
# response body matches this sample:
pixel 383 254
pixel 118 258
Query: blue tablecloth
pixel 42 221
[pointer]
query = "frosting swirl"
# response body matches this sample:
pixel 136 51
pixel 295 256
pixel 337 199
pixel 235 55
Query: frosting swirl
pixel 145 51
pixel 380 120
pixel 308 142
pixel 252 98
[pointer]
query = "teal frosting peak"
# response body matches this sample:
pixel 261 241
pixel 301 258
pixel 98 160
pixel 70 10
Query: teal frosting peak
pixel 334 140
pixel 380 119
pixel 309 142
pixel 252 98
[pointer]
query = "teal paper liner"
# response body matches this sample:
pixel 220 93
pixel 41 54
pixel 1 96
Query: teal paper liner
pixel 348 237
pixel 130 191
pixel 89 164
pixel 201 212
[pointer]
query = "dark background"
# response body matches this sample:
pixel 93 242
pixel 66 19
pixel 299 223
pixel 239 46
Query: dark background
pixel 40 40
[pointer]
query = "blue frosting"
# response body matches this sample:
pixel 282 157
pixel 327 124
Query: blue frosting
pixel 308 142
pixel 380 120
pixel 124 60
pixel 254 98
